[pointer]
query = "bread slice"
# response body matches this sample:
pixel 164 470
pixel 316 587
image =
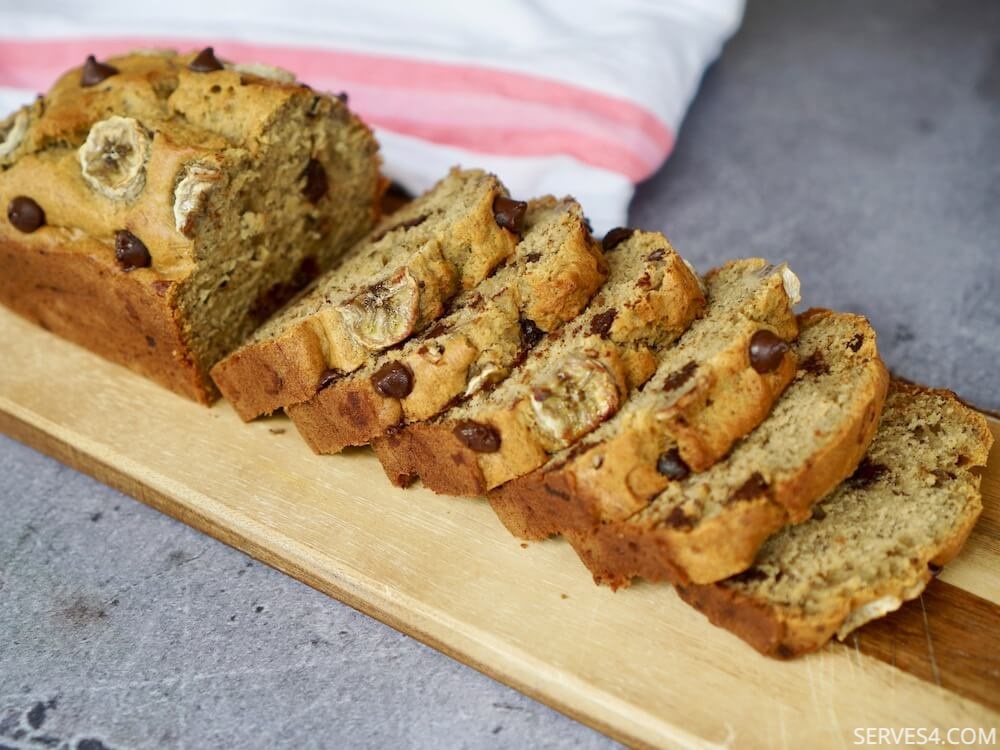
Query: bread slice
pixel 711 389
pixel 394 283
pixel 710 525
pixel 569 384
pixel 872 544
pixel 553 273
pixel 158 210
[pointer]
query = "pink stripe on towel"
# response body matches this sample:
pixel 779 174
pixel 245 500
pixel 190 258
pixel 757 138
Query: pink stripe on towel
pixel 471 107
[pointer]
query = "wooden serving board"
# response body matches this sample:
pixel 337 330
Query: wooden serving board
pixel 639 665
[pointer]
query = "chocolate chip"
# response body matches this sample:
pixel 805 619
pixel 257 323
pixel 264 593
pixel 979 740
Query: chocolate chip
pixel 856 341
pixel 316 182
pixel 601 323
pixel 941 476
pixel 678 519
pixel 94 72
pixel 867 473
pixel 206 62
pixel 478 437
pixel 676 379
pixel 531 334
pixel 815 364
pixel 342 96
pixel 749 576
pixel 393 380
pixel 935 569
pixel 657 255
pixel 767 350
pixel 616 237
pixel 672 466
pixel 130 251
pixel 328 378
pixel 438 329
pixel 753 487
pixel 532 257
pixel 509 213
pixel 24 214
pixel 818 514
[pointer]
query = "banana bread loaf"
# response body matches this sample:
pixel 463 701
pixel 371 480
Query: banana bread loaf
pixel 554 271
pixel 390 285
pixel 159 207
pixel 873 543
pixel 576 379
pixel 709 526
pixel 711 389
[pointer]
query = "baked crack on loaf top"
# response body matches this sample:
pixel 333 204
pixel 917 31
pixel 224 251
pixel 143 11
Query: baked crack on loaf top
pixel 570 383
pixel 555 269
pixel 710 525
pixel 709 390
pixel 390 285
pixel 872 544
pixel 160 206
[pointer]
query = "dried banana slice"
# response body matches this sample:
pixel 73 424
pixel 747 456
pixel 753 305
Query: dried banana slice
pixel 266 71
pixel 572 397
pixel 114 156
pixel 385 313
pixel 12 132
pixel 191 192
pixel 482 375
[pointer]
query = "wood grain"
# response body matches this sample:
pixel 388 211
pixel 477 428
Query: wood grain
pixel 638 665
pixel 947 636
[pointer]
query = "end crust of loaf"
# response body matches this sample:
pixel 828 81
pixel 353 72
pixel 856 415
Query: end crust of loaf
pixel 166 232
pixel 392 284
pixel 84 297
pixel 650 298
pixel 674 540
pixel 784 625
pixel 718 398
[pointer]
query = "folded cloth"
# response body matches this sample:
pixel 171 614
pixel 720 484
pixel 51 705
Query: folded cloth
pixel 559 97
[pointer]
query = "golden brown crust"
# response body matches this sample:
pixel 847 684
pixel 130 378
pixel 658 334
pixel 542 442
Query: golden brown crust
pixel 73 254
pixel 86 297
pixel 556 268
pixel 784 628
pixel 432 453
pixel 457 254
pixel 616 475
pixel 726 544
pixel 643 309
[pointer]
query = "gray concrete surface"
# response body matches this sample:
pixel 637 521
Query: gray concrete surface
pixel 859 140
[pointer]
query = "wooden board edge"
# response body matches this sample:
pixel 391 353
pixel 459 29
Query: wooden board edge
pixel 58 449
pixel 51 444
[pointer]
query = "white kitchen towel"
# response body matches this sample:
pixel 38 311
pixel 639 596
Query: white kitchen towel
pixel 581 97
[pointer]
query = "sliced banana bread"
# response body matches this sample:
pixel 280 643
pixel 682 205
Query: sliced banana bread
pixel 873 543
pixel 709 390
pixel 159 207
pixel 553 273
pixel 392 284
pixel 570 383
pixel 709 526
